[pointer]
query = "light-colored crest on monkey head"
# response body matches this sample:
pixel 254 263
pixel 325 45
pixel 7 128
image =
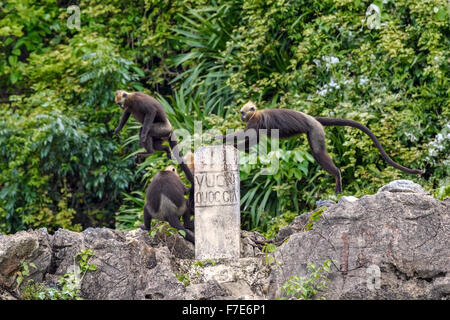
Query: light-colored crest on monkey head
pixel 172 169
pixel 247 111
pixel 120 97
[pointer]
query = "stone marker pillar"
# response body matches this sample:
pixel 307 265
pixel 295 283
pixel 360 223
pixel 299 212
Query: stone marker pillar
pixel 217 202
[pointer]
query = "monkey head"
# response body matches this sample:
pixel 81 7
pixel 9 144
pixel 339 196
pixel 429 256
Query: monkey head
pixel 172 169
pixel 248 111
pixel 121 95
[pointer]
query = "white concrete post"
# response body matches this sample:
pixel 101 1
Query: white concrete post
pixel 217 202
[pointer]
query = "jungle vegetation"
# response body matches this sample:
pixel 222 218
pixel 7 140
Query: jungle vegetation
pixel 61 166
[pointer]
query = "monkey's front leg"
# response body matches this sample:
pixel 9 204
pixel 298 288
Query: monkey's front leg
pixel 122 122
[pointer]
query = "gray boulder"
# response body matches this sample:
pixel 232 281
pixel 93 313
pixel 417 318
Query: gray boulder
pixel 403 186
pixel 391 245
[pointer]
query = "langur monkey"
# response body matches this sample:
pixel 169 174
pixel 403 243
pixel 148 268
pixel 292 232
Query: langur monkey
pixel 291 123
pixel 165 201
pixel 156 128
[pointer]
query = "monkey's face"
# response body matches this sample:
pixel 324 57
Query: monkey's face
pixel 247 111
pixel 172 169
pixel 121 95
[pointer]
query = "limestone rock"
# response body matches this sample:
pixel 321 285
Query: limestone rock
pixel 390 245
pixel 404 236
pixel 403 186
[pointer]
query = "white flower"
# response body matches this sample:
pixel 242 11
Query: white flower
pixel 330 60
pixel 333 84
pixel 411 136
pixel 327 87
pixel 363 81
pixel 322 92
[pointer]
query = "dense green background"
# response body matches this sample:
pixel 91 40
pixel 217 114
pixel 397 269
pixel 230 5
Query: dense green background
pixel 60 165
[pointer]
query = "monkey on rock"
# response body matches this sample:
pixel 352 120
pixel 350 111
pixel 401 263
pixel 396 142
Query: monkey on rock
pixel 290 123
pixel 165 201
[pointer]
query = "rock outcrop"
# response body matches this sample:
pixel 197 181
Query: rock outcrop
pixel 391 245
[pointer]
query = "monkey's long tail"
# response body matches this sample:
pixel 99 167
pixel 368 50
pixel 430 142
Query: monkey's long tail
pixel 179 159
pixel 346 122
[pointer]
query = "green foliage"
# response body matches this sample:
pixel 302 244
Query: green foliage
pixel 131 213
pixel 205 32
pixel 315 216
pixel 68 287
pixel 204 263
pixel 83 260
pixel 306 288
pixel 24 271
pixel 60 165
pixel 266 195
pixel 276 223
pixel 164 229
pixel 184 279
pixel 268 249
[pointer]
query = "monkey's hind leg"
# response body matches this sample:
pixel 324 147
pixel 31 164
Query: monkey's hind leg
pixel 174 222
pixel 316 139
pixel 147 220
pixel 187 222
pixel 158 145
pixel 148 146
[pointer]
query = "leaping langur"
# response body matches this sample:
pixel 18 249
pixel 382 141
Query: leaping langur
pixel 156 127
pixel 165 201
pixel 291 123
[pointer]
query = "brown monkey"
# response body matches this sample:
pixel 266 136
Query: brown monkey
pixel 291 123
pixel 156 128
pixel 165 201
